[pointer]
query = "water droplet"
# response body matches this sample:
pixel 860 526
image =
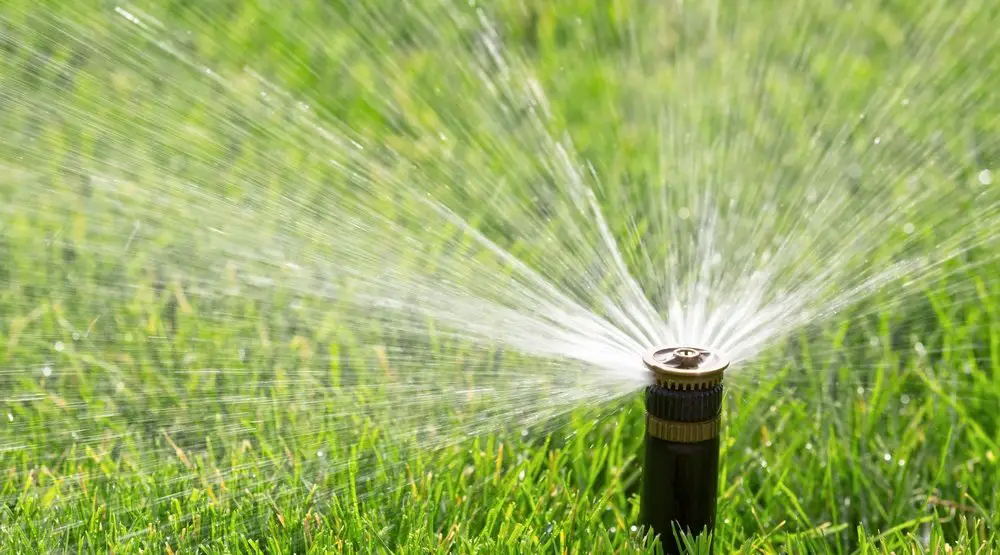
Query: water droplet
pixel 847 501
pixel 763 464
pixel 10 417
pixel 904 399
pixel 905 102
pixel 634 528
pixel 877 140
pixel 908 228
pixel 76 336
pixel 521 475
pixel 986 177
pixel 768 444
pixel 46 370
pixel 683 213
pixel 319 454
pixel 920 349
pixel 612 530
pixel 58 346
pixel 902 462
pixel 861 390
pixel 887 457
pixel 809 447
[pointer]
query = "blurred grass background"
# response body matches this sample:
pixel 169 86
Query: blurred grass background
pixel 879 435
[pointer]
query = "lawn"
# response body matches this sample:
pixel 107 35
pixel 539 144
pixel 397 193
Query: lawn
pixel 207 210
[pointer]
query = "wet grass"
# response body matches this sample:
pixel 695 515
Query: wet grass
pixel 874 433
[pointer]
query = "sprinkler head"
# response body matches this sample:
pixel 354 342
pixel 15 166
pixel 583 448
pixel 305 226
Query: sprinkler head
pixel 685 368
pixel 681 470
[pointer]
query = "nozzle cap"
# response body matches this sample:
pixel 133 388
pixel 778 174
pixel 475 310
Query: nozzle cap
pixel 685 368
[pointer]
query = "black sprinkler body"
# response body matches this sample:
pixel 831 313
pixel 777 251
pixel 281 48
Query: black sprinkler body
pixel 681 468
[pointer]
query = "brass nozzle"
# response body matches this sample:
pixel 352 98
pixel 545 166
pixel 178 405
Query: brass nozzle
pixel 685 368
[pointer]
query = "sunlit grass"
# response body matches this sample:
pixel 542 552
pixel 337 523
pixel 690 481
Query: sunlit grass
pixel 160 392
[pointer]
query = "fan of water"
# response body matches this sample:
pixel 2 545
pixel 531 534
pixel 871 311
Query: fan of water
pixel 415 222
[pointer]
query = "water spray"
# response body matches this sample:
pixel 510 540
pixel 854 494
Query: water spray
pixel 681 470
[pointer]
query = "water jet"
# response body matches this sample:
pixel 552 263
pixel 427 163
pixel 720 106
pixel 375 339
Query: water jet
pixel 681 467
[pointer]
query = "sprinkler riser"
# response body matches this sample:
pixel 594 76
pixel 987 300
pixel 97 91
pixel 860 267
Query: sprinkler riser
pixel 681 462
pixel 680 488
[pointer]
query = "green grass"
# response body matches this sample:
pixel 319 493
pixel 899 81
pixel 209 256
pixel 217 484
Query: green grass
pixel 847 438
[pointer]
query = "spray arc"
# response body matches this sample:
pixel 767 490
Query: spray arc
pixel 683 420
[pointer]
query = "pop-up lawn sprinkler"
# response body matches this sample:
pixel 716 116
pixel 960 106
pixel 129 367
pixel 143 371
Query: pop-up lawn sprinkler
pixel 681 469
